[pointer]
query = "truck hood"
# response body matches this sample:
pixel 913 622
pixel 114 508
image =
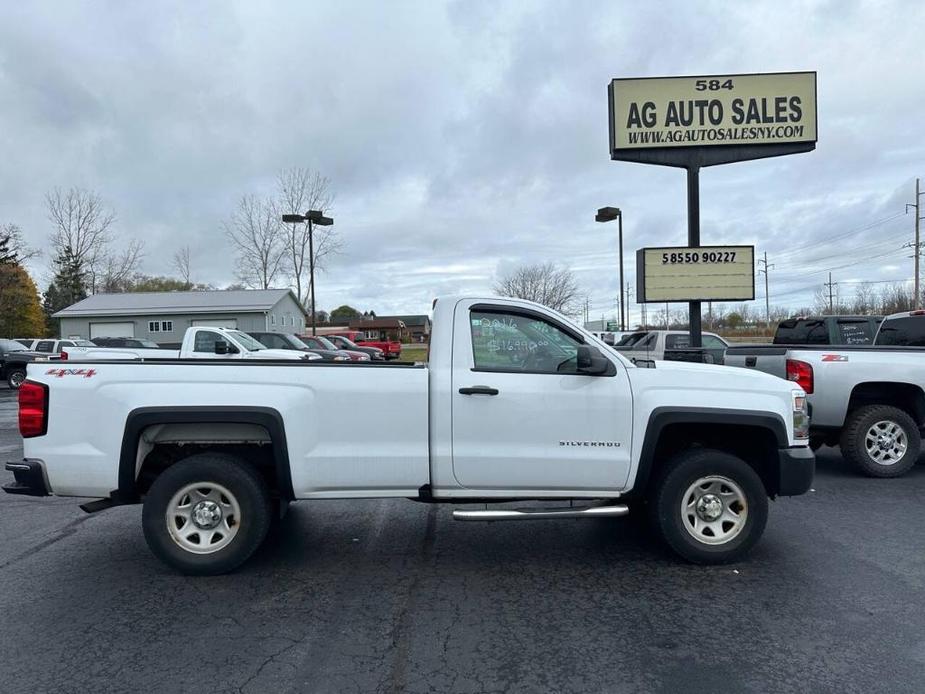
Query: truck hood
pixel 711 376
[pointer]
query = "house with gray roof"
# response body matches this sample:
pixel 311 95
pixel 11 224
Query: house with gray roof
pixel 164 316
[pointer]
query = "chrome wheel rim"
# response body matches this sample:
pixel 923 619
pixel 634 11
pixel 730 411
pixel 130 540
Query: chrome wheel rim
pixel 203 517
pixel 17 378
pixel 714 510
pixel 886 442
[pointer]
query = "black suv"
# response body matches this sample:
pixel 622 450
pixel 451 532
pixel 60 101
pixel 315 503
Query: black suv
pixel 13 359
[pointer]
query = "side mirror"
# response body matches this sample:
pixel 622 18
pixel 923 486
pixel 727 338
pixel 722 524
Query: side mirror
pixel 221 347
pixel 591 362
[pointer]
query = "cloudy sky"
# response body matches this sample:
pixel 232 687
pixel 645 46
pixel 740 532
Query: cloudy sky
pixel 462 138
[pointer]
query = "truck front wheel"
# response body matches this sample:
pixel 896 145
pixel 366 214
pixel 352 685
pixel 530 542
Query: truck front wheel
pixel 16 378
pixel 881 441
pixel 206 514
pixel 709 506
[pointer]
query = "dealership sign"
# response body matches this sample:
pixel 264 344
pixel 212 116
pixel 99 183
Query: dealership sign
pixel 707 111
pixel 704 273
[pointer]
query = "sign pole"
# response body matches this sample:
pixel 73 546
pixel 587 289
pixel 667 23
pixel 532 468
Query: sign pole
pixel 693 240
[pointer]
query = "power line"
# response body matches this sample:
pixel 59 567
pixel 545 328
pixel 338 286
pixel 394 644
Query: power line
pixel 836 237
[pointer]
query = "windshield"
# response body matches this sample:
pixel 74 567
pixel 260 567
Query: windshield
pixel 344 342
pixel 11 346
pixel 84 343
pixel 246 341
pixel 148 344
pixel 313 342
pixel 630 339
pixel 326 343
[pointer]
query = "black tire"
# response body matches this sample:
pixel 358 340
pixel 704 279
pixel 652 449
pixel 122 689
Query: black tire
pixel 854 440
pixel 674 484
pixel 15 378
pixel 249 491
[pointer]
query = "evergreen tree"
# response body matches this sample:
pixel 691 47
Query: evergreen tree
pixel 67 287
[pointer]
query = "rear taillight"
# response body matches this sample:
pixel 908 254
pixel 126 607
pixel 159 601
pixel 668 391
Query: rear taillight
pixel 33 409
pixel 800 373
pixel 63 356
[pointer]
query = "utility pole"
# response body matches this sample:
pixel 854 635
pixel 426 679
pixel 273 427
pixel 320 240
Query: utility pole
pixel 767 300
pixel 629 293
pixel 831 285
pixel 916 246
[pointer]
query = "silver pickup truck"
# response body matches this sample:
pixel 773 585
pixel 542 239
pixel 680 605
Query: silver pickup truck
pixel 867 399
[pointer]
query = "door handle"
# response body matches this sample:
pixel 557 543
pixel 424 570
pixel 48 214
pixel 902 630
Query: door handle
pixel 478 390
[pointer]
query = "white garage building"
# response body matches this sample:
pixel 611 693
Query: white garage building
pixel 164 316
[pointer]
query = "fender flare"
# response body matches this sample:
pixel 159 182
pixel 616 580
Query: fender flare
pixel 662 417
pixel 140 419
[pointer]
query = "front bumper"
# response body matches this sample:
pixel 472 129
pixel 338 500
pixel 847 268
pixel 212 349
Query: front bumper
pixel 795 470
pixel 29 479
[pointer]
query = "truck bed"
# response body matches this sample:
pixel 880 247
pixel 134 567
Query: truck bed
pixel 324 407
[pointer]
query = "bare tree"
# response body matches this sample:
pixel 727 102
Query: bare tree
pixel 82 226
pixel 181 264
pixel 299 190
pixel 544 283
pixel 118 269
pixel 256 234
pixel 13 248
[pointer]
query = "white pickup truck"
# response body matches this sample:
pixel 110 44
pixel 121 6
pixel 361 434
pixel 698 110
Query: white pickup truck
pixel 517 403
pixel 198 343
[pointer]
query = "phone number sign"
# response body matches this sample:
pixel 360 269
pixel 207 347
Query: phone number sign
pixel 758 109
pixel 705 273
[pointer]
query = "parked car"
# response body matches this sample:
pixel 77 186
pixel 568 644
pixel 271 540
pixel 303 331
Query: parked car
pixel 516 403
pixel 827 330
pixel 53 346
pixel 198 343
pixel 133 342
pixel 390 349
pixel 14 357
pixel 320 343
pixel 670 345
pixel 906 329
pixel 341 342
pixel 287 341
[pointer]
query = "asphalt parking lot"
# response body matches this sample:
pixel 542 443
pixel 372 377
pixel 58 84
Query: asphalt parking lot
pixel 394 596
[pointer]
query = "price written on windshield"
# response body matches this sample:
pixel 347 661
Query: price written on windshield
pixel 698 257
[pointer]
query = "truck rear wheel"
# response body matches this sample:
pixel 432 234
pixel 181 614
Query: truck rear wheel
pixel 709 506
pixel 881 441
pixel 206 514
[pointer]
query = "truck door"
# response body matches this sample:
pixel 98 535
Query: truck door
pixel 523 417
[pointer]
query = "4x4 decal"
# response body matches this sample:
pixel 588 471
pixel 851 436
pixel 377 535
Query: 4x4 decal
pixel 61 373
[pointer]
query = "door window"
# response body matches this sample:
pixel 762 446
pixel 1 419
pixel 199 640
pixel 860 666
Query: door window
pixel 205 341
pixel 856 332
pixel 713 342
pixel 523 343
pixel 45 346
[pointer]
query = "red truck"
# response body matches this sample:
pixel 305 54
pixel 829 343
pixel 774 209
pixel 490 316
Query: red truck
pixel 390 350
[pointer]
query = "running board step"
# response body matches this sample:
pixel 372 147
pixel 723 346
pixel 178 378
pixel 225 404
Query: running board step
pixel 542 513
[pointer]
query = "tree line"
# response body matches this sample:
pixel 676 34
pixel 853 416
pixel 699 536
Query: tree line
pixel 87 258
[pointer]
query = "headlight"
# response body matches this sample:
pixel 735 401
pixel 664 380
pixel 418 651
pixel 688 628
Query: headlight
pixel 800 415
pixel 365 357
pixel 340 358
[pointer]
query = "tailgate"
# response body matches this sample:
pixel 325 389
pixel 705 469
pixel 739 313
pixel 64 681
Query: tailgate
pixel 772 360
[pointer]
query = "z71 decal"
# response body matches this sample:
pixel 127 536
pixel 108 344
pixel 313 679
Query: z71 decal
pixel 61 373
pixel 834 357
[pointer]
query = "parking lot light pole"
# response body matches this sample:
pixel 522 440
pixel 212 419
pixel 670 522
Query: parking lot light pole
pixel 312 217
pixel 608 214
